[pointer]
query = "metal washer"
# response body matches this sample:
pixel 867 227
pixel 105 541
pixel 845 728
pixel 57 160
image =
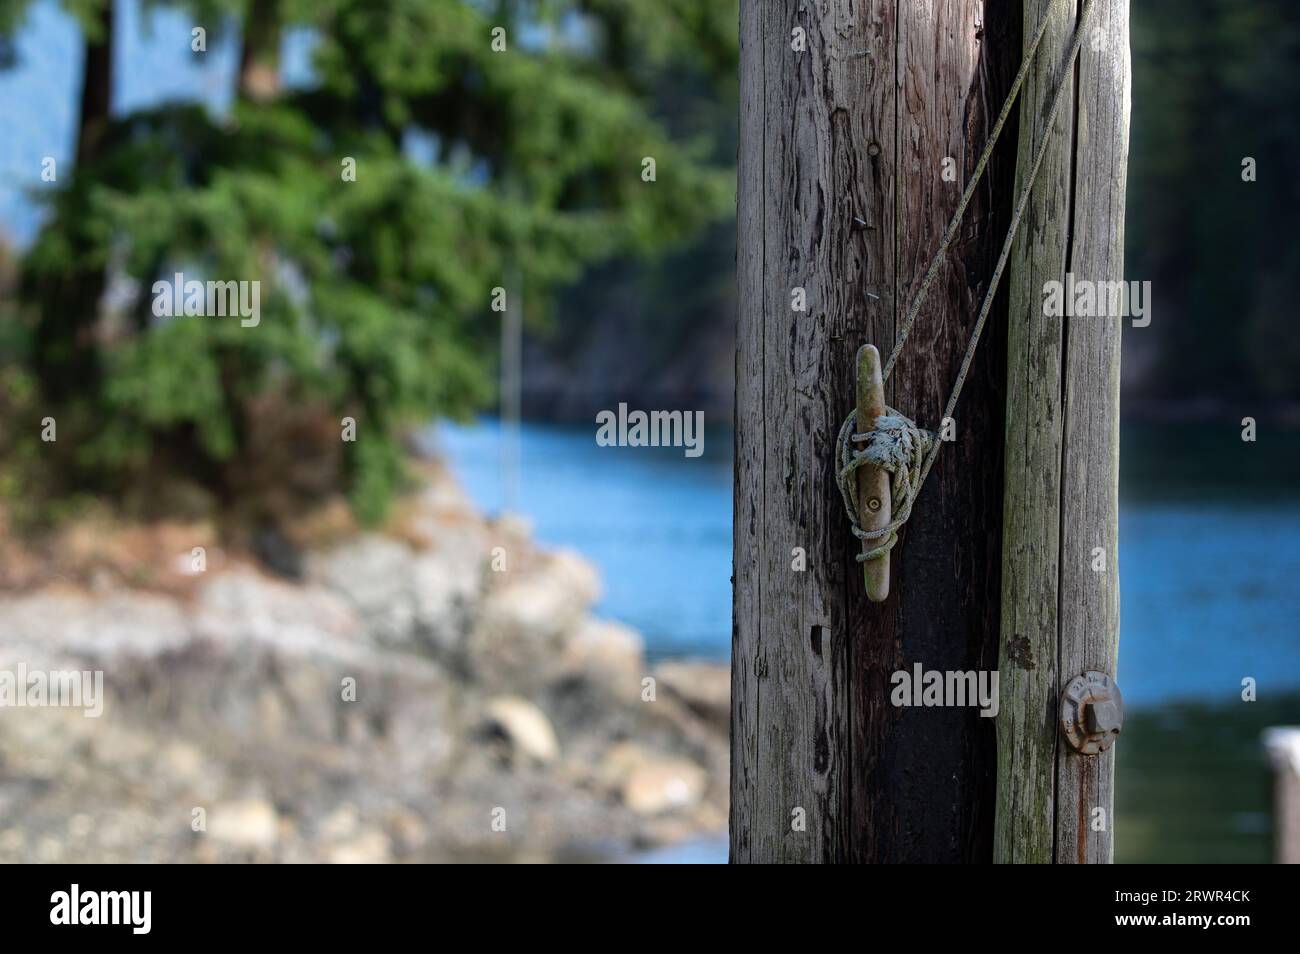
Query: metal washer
pixel 1092 712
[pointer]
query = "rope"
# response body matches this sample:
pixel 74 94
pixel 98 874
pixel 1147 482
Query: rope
pixel 895 443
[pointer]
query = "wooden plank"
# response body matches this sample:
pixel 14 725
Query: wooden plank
pixel 1089 616
pixel 748 665
pixel 1060 615
pixel 857 125
pixel 931 789
pixel 789 792
pixel 867 174
pixel 794 697
pixel 1282 743
pixel 1031 519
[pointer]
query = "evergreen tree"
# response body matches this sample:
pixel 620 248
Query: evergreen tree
pixel 443 149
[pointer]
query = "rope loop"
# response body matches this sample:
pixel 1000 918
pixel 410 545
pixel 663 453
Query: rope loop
pixel 895 443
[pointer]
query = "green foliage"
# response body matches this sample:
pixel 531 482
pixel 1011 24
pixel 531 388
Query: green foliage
pixel 12 13
pixel 374 294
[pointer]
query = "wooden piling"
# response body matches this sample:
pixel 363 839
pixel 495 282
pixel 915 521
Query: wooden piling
pixel 1283 747
pixel 871 110
pixel 1060 561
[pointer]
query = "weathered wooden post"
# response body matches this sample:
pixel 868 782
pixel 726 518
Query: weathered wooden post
pixel 1283 746
pixel 861 121
pixel 1060 573
pixel 874 111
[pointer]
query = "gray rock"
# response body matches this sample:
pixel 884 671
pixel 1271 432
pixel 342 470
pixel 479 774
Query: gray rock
pixel 371 847
pixel 704 687
pixel 375 575
pixel 525 727
pixel 342 717
pixel 650 783
pixel 249 823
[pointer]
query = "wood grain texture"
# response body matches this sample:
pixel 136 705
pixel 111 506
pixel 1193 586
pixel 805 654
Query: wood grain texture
pixel 859 125
pixel 748 666
pixel 1060 616
pixel 1031 515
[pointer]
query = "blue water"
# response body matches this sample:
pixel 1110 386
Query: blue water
pixel 1208 584
pixel 1208 595
pixel 656 523
pixel 708 850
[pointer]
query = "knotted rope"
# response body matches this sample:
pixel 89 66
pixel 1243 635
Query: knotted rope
pixel 895 443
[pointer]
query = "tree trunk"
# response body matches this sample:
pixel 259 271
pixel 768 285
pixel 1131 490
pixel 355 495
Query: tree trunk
pixel 96 87
pixel 859 123
pixel 1060 591
pixel 259 61
pixel 64 355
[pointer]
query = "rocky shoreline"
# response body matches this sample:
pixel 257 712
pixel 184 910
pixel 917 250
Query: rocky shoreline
pixel 435 694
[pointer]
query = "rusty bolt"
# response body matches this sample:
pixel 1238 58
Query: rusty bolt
pixel 1092 712
pixel 1102 717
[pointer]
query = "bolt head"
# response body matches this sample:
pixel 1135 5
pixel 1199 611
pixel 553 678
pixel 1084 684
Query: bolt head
pixel 1092 712
pixel 1103 717
pixel 873 504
